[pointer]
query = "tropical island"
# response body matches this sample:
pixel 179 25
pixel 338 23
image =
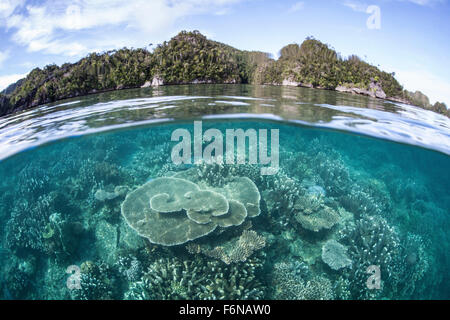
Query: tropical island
pixel 191 58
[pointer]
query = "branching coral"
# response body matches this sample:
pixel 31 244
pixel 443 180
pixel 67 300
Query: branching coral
pixel 130 267
pixel 403 261
pixel 18 279
pixel 33 181
pixel 28 224
pixel 294 281
pixel 173 278
pixel 97 282
pixel 361 202
pixel 416 261
pixel 281 192
pixel 372 241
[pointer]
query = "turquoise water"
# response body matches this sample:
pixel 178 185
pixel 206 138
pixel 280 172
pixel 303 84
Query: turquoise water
pixel 362 185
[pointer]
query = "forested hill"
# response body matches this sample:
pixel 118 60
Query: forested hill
pixel 190 57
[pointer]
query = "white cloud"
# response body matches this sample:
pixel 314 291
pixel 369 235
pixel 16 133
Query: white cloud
pixel 436 88
pixel 356 6
pixel 59 28
pixel 297 6
pixel 3 56
pixel 361 6
pixel 7 7
pixel 425 2
pixel 9 79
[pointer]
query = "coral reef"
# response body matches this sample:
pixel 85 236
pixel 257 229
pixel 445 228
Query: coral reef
pixel 308 232
pixel 97 282
pixel 130 267
pixel 173 278
pixel 172 210
pixel 241 189
pixel 361 202
pixel 335 255
pixel 28 223
pixel 322 218
pixel 371 241
pixel 19 278
pixel 416 265
pixel 103 195
pixel 33 181
pixel 235 250
pixel 294 281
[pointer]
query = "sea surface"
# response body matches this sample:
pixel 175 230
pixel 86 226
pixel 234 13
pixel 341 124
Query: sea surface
pixel 93 205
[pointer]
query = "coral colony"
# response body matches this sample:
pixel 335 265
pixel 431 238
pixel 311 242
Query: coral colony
pixel 114 217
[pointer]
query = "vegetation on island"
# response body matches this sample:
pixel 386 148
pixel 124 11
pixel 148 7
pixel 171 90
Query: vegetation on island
pixel 190 57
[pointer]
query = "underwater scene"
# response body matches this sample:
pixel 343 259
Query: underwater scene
pixel 93 205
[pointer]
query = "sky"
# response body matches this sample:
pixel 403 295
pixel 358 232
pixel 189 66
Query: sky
pixel 408 37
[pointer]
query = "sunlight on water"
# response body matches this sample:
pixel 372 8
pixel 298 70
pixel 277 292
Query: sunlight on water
pixel 387 120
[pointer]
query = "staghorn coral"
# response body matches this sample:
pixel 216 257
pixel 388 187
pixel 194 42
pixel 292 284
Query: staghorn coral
pixel 372 241
pixel 216 174
pixel 328 165
pixel 416 261
pixel 341 288
pixel 361 202
pixel 98 282
pixel 33 181
pixel 108 173
pixel 280 192
pixel 28 223
pixel 403 260
pixel 17 284
pixel 130 267
pixel 173 278
pixel 294 281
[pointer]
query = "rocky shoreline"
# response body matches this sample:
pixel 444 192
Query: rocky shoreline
pixel 191 58
pixel 375 90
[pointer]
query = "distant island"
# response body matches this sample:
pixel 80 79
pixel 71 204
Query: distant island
pixel 191 58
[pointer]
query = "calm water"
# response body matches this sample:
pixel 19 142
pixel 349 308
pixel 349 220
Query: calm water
pixel 359 208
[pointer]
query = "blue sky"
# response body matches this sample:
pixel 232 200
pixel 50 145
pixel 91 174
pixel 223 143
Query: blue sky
pixel 413 38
